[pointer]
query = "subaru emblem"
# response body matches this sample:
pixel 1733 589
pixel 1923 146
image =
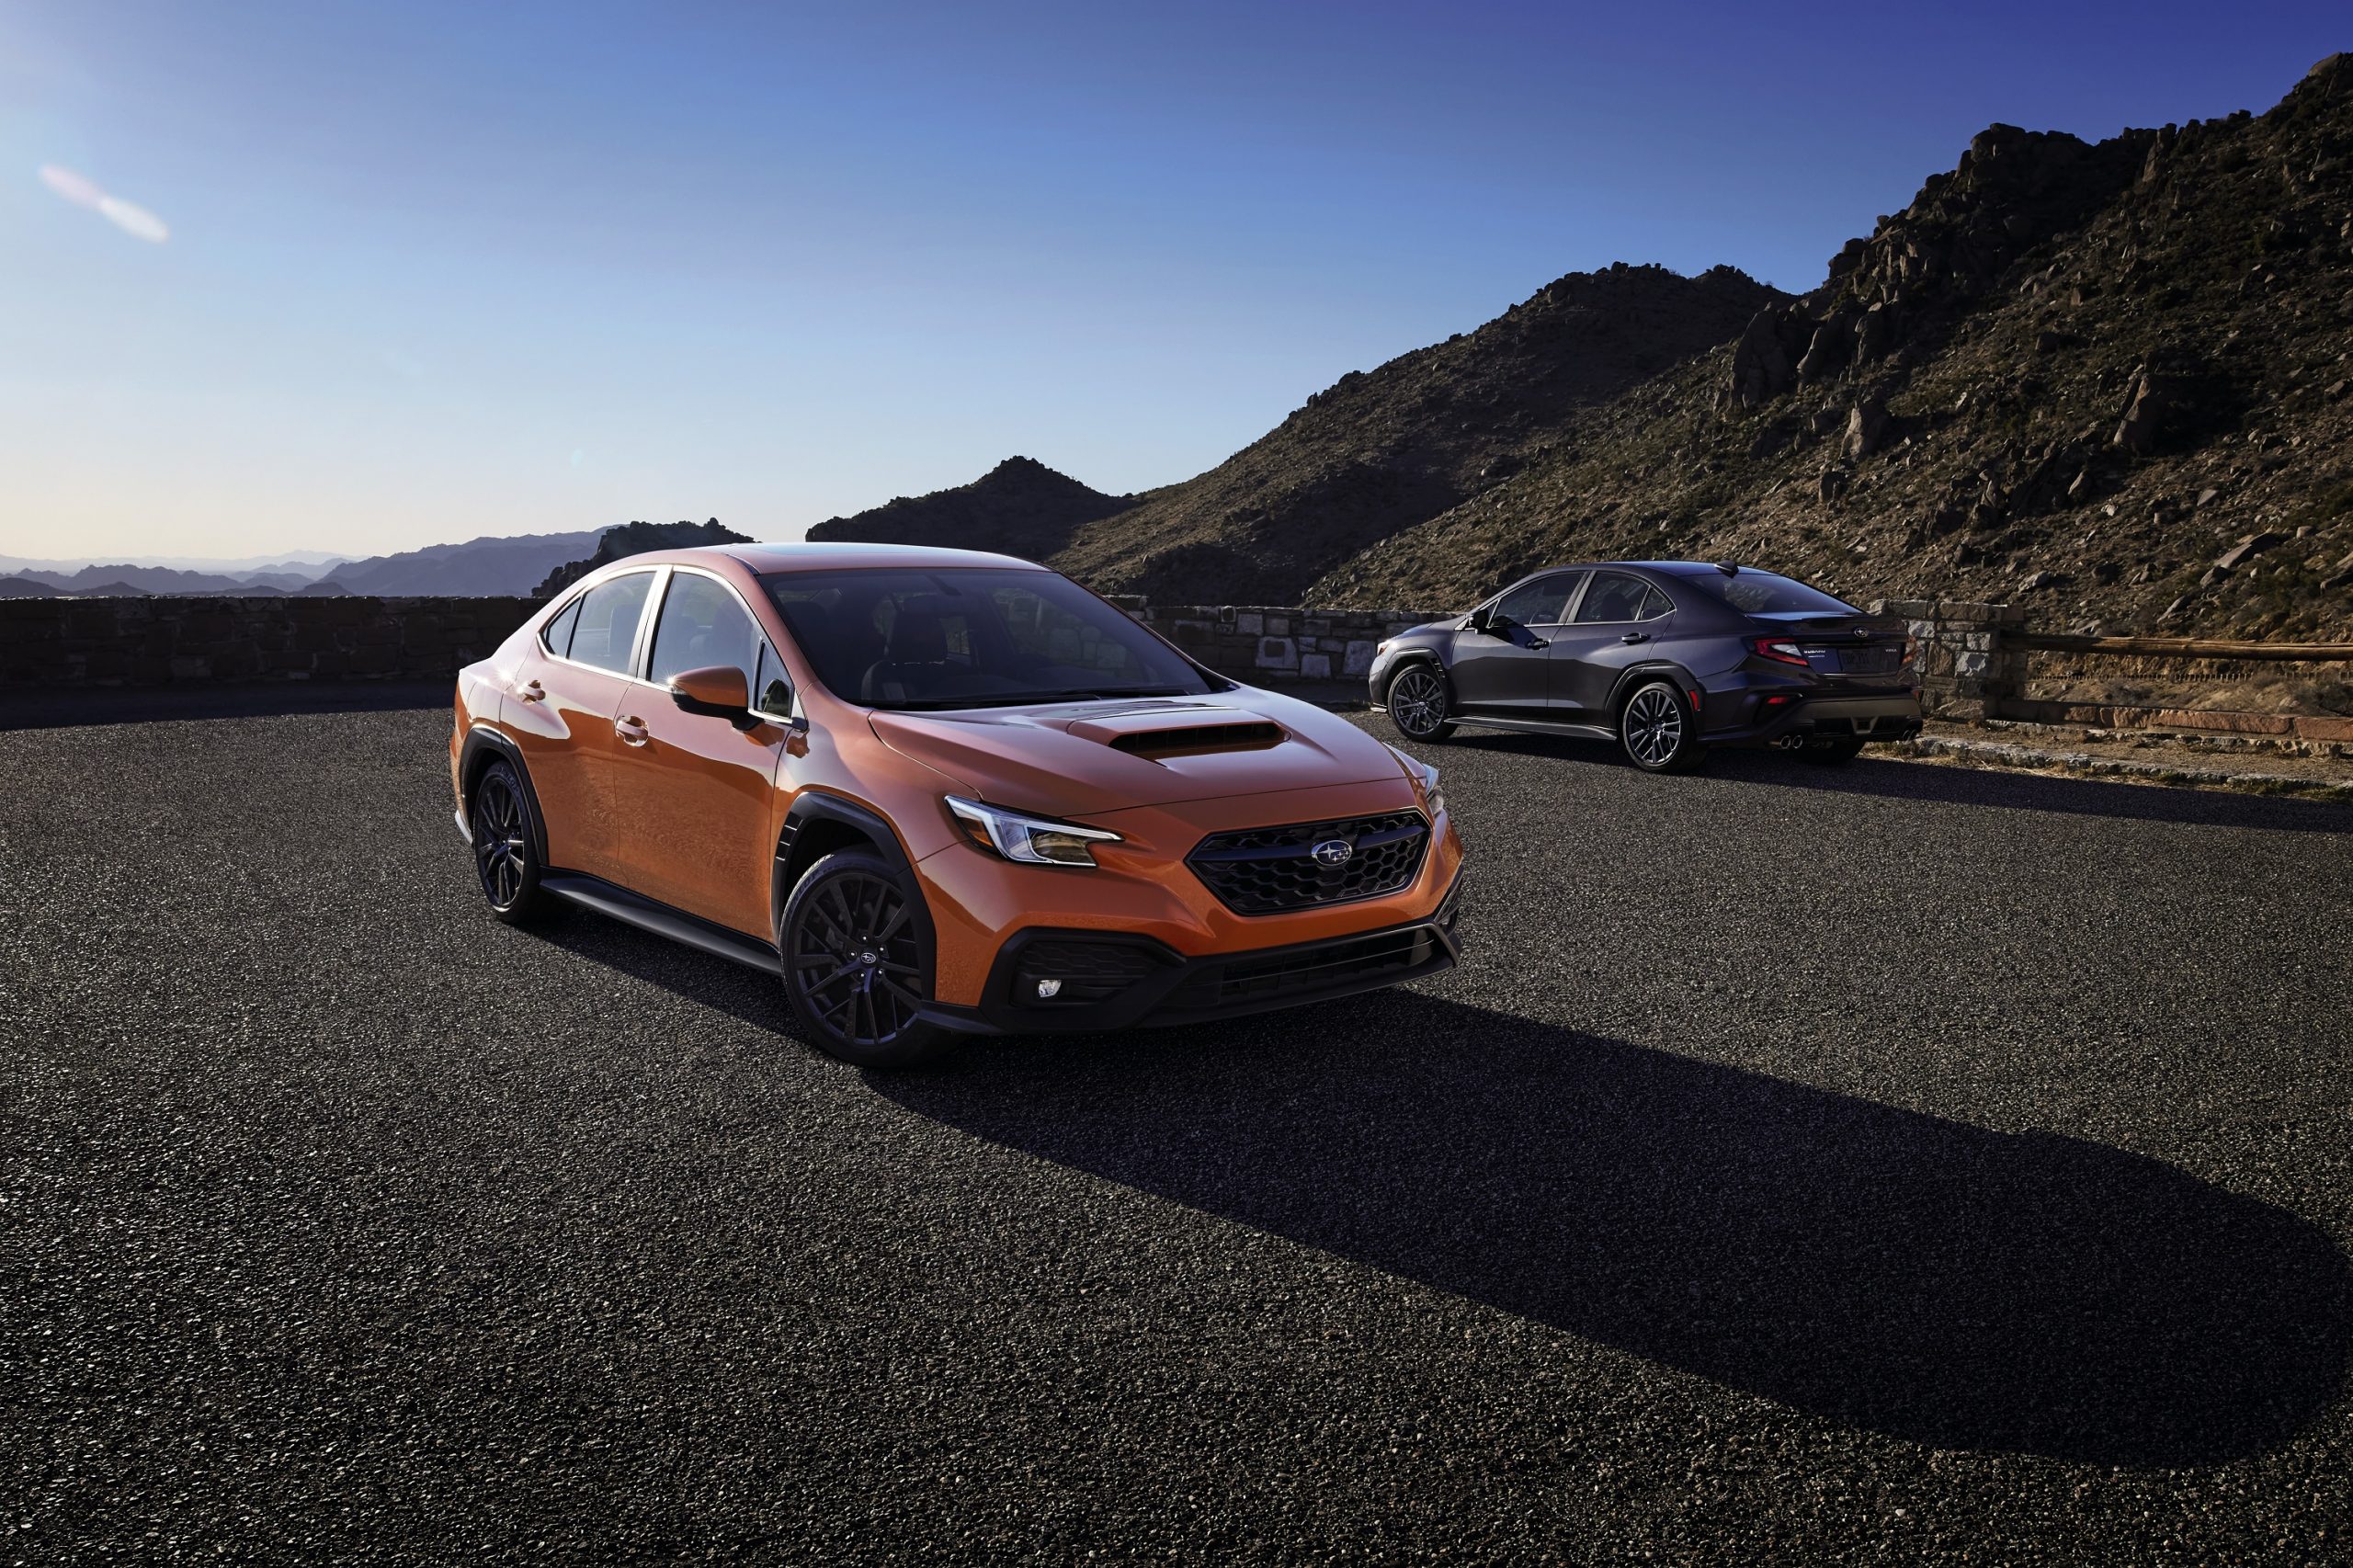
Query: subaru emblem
pixel 1334 852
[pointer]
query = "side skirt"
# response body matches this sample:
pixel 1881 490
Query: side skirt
pixel 1539 726
pixel 605 898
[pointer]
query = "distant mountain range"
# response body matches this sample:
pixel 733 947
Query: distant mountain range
pixel 513 565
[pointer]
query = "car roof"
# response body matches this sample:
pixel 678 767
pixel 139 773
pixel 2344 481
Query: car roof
pixel 1673 568
pixel 765 558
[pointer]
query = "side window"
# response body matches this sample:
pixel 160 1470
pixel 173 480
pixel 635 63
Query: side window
pixel 1539 603
pixel 606 630
pixel 772 692
pixel 1655 605
pixel 702 625
pixel 1613 596
pixel 556 636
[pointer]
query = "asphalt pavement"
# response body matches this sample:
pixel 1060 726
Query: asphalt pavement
pixel 1892 1163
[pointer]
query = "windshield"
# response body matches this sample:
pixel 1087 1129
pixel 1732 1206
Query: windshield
pixel 1763 593
pixel 971 638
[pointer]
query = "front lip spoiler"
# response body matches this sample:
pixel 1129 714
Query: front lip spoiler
pixel 1145 1002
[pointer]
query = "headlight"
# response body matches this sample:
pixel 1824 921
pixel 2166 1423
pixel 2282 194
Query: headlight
pixel 1033 841
pixel 1425 779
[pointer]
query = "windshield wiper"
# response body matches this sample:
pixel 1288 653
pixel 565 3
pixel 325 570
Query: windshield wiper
pixel 1107 691
pixel 1017 698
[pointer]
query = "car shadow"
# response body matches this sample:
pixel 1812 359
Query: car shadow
pixel 1875 1267
pixel 1999 788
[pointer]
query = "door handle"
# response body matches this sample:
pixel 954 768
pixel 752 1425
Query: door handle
pixel 532 691
pixel 631 731
pixel 1635 637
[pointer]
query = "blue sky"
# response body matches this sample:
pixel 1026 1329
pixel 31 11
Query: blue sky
pixel 429 271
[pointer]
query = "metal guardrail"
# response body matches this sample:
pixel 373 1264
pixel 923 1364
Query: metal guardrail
pixel 2186 647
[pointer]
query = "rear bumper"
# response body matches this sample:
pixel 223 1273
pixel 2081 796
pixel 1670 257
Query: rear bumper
pixel 1112 980
pixel 1880 718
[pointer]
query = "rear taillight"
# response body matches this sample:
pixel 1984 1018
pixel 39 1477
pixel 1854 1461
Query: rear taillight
pixel 1910 653
pixel 1781 650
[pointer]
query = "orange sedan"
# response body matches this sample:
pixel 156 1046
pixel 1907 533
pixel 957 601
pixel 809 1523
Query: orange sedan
pixel 941 792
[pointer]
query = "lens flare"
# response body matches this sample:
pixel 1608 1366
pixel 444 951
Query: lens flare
pixel 82 191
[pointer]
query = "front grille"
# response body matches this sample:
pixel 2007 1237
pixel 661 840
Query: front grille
pixel 1266 870
pixel 1328 966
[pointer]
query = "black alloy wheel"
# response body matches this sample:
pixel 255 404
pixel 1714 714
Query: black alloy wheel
pixel 1418 704
pixel 1833 750
pixel 853 963
pixel 1656 729
pixel 507 853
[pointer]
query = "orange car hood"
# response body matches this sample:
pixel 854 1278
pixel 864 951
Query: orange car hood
pixel 1065 759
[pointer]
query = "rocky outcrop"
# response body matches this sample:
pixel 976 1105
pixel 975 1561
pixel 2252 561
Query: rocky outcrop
pixel 1380 451
pixel 2090 366
pixel 1019 508
pixel 637 539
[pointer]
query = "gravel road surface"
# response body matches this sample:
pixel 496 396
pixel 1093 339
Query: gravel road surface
pixel 1891 1165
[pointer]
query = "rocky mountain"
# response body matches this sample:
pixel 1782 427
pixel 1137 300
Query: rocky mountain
pixel 1021 507
pixel 1381 451
pixel 634 539
pixel 479 567
pixel 28 588
pixel 2112 381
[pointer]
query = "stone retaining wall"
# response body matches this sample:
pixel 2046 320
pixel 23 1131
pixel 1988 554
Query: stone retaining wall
pixel 51 643
pixel 1969 663
pixel 1972 666
pixel 1270 645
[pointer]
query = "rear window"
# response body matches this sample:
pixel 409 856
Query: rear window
pixel 1764 593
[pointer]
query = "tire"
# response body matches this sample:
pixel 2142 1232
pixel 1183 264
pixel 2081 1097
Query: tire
pixel 1657 731
pixel 1418 701
pixel 853 961
pixel 506 829
pixel 1834 751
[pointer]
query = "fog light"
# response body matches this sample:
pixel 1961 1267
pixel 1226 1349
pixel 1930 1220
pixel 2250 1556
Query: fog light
pixel 1048 989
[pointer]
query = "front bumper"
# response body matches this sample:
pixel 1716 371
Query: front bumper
pixel 1111 980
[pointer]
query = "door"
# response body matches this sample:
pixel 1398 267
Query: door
pixel 1616 625
pixel 1506 668
pixel 560 715
pixel 696 794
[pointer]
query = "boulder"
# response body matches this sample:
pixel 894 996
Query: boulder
pixel 2247 550
pixel 1867 426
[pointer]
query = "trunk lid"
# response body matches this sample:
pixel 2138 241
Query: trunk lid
pixel 1846 649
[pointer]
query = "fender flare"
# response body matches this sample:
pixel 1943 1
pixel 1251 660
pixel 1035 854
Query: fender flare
pixel 483 742
pixel 1635 674
pixel 811 807
pixel 1407 659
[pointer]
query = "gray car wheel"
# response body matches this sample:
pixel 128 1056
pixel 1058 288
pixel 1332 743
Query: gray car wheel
pixel 1419 703
pixel 1659 731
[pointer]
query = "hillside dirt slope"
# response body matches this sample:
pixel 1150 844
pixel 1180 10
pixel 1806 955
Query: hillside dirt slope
pixel 1381 451
pixel 2114 383
pixel 1021 507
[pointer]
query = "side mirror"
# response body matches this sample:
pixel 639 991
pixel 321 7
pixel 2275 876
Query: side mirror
pixel 1481 619
pixel 716 692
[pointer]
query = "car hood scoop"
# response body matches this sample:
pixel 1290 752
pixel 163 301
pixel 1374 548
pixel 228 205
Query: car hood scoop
pixel 1162 735
pixel 1081 758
